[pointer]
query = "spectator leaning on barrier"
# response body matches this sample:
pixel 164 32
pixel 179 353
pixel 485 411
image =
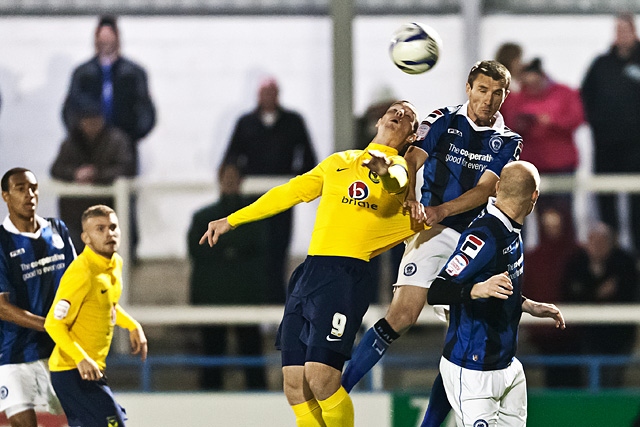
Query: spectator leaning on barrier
pixel 92 153
pixel 232 272
pixel 603 273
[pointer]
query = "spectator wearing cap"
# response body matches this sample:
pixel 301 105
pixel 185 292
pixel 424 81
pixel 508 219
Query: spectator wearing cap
pixel 272 141
pixel 92 153
pixel 116 83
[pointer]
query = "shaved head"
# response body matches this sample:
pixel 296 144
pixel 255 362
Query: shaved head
pixel 519 180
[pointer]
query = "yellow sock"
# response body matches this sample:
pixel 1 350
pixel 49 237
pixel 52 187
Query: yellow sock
pixel 337 409
pixel 308 414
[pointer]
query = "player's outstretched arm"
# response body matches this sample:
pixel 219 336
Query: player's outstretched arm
pixel 138 342
pixel 541 309
pixel 498 286
pixel 215 230
pixel 19 316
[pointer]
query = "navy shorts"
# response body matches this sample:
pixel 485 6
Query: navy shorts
pixel 327 298
pixel 87 403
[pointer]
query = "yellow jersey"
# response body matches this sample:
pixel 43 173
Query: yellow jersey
pixel 357 217
pixel 85 310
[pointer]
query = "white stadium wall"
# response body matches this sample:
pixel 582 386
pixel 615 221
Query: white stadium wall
pixel 203 73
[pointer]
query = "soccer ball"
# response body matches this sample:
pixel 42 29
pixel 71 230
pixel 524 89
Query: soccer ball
pixel 415 48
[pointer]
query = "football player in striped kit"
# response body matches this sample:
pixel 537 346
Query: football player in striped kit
pixel 34 253
pixel 482 284
pixel 463 149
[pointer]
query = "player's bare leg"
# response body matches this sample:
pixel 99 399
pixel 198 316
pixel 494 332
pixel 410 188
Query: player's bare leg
pixel 305 406
pixel 405 308
pixel 324 382
pixel 24 419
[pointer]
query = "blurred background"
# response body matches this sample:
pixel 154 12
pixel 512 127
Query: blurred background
pixel 205 61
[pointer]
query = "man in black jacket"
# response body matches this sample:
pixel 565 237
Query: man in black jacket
pixel 272 141
pixel 611 96
pixel 119 84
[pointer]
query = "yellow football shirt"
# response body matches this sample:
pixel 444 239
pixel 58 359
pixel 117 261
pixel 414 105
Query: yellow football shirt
pixel 85 310
pixel 356 217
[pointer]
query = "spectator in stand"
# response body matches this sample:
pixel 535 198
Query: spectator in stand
pixel 611 96
pixel 603 273
pixel 272 140
pixel 546 114
pixel 92 153
pixel 232 272
pixel 546 263
pixel 509 54
pixel 117 83
pixel 120 86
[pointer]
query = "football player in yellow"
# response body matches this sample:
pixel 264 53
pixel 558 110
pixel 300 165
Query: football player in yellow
pixel 359 216
pixel 81 322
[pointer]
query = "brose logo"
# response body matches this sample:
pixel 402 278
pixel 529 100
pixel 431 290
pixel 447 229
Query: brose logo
pixel 358 192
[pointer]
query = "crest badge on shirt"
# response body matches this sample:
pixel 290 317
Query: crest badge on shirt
pixel 57 241
pixel 495 143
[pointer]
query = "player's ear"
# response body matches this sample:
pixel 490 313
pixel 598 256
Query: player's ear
pixel 411 138
pixel 85 237
pixel 5 196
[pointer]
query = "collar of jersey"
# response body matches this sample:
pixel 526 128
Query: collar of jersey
pixel 383 148
pixel 497 126
pixel 508 222
pixel 8 225
pixel 98 260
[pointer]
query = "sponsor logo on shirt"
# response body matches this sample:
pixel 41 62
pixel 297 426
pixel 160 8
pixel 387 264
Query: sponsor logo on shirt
pixel 472 245
pixel 511 248
pixel 17 252
pixel 358 192
pixel 456 265
pixel 455 132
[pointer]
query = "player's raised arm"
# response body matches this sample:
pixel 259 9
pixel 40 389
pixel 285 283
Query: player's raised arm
pixel 215 230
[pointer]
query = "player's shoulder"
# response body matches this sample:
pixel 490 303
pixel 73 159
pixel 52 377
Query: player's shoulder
pixel 437 116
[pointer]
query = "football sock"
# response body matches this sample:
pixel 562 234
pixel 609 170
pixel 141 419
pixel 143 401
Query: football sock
pixel 337 409
pixel 438 407
pixel 308 414
pixel 373 345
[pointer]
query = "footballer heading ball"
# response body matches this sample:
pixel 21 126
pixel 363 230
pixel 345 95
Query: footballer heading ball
pixel 415 48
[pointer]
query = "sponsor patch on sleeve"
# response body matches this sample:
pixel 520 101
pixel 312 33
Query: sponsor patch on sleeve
pixel 423 130
pixel 61 309
pixel 456 265
pixel 472 245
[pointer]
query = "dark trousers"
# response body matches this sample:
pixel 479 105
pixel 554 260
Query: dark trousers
pixel 279 230
pixel 215 343
pixel 608 209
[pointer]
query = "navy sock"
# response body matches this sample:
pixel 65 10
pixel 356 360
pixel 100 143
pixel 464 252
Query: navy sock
pixel 439 406
pixel 373 345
